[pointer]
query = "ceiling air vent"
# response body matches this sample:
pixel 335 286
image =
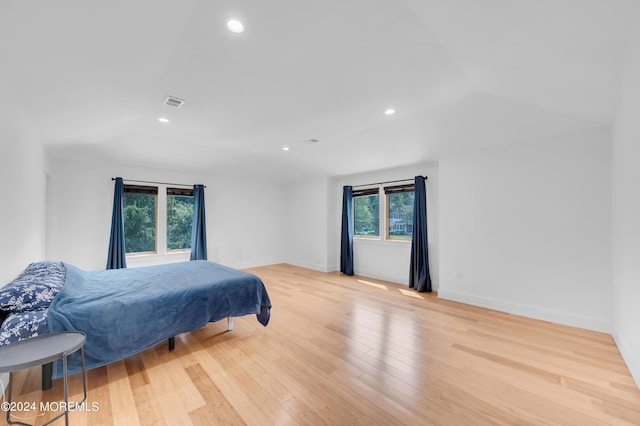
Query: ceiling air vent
pixel 173 102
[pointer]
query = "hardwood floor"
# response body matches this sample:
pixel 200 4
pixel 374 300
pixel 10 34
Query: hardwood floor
pixel 351 350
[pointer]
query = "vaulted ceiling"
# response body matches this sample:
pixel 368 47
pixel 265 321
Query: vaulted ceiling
pixel 91 78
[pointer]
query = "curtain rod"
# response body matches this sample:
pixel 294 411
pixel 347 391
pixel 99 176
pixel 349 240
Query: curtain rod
pixel 389 181
pixel 157 183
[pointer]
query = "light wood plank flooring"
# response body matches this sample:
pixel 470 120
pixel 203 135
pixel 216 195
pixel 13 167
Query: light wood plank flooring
pixel 352 350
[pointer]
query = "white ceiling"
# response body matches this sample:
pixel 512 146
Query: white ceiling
pixel 92 75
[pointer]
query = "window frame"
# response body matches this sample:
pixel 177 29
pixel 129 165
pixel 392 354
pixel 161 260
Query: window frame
pixel 148 190
pixel 366 192
pixel 383 210
pixel 390 190
pixel 161 251
pixel 180 192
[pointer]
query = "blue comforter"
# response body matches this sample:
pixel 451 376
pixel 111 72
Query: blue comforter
pixel 125 311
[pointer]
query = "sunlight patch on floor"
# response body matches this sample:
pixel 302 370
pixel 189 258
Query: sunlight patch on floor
pixel 382 286
pixel 410 293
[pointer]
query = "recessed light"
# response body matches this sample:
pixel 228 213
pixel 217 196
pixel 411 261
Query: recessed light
pixel 163 120
pixel 285 148
pixel 389 111
pixel 235 26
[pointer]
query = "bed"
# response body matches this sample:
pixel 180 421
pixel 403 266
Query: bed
pixel 125 311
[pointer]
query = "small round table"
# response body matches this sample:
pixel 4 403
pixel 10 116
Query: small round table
pixel 40 350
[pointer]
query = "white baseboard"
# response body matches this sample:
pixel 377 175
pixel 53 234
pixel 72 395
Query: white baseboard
pixel 383 277
pixel 630 358
pixel 536 312
pixel 394 279
pixel 256 263
pixel 308 265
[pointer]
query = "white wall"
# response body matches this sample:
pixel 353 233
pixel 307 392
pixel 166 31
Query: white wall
pixel 526 229
pixel 306 224
pixel 388 260
pixel 22 171
pixel 626 208
pixel 244 217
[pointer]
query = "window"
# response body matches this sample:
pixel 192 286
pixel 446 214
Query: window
pixel 397 208
pixel 157 219
pixel 366 216
pixel 399 200
pixel 140 218
pixel 179 218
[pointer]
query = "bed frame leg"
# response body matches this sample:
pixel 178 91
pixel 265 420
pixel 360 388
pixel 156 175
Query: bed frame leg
pixel 172 343
pixel 230 324
pixel 47 372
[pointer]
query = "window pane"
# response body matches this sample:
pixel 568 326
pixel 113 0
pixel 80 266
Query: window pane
pixel 366 216
pixel 179 220
pixel 139 222
pixel 400 215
